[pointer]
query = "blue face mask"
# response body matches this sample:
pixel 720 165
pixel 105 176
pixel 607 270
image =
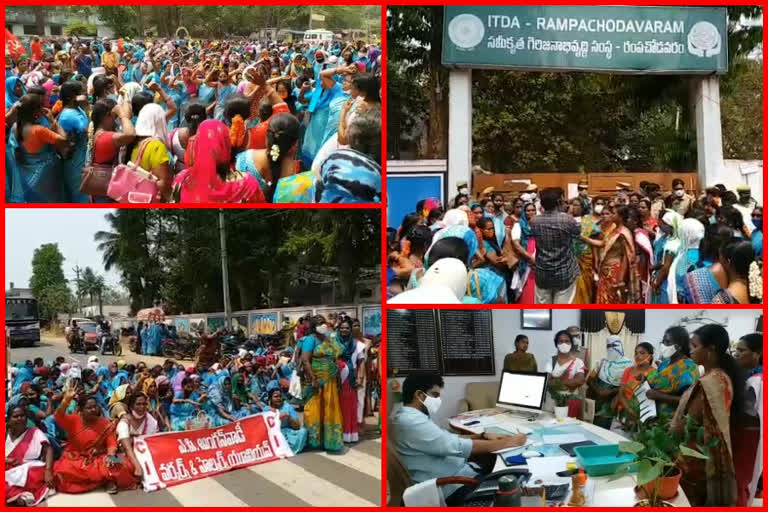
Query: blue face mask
pixel 758 223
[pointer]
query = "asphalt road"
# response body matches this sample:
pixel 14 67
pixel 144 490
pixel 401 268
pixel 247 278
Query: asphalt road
pixel 50 348
pixel 349 479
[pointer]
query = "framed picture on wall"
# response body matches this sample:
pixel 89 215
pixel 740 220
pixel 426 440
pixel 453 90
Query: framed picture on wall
pixel 538 319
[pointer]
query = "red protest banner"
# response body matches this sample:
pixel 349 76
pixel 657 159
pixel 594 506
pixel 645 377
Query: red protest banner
pixel 15 48
pixel 172 458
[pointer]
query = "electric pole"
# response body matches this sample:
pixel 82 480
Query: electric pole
pixel 310 17
pixel 224 270
pixel 77 277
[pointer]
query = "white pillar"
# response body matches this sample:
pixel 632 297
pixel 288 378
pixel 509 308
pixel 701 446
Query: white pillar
pixel 709 135
pixel 459 129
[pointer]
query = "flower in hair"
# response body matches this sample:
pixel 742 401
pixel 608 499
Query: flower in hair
pixel 274 152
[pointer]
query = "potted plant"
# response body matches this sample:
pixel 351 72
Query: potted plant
pixel 658 451
pixel 560 396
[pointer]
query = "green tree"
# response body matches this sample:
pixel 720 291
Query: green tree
pixel 48 284
pixel 741 110
pixel 80 29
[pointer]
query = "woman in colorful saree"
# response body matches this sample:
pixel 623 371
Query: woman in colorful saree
pixel 33 152
pixel 319 111
pixel 586 254
pixel 617 283
pixel 90 459
pixel 209 177
pixel 138 423
pixel 343 336
pixel 290 426
pixel 643 253
pixel 28 461
pixel 185 404
pixel 676 373
pixel 320 389
pixel 276 165
pixel 624 405
pixel 710 402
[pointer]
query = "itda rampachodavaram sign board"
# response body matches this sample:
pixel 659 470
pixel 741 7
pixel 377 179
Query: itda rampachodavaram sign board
pixel 630 39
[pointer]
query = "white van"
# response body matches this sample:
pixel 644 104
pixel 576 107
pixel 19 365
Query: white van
pixel 315 37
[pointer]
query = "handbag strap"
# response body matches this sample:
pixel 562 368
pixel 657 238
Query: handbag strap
pixel 142 148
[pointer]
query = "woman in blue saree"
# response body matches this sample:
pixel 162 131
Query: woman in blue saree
pixel 185 405
pixel 14 90
pixel 319 113
pixel 290 426
pixel 74 120
pixel 220 407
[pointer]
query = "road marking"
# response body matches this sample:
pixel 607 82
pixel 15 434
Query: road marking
pixel 357 460
pixel 89 499
pixel 206 492
pixel 307 486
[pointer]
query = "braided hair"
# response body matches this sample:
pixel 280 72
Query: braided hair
pixel 282 135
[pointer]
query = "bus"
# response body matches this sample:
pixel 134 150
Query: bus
pixel 22 321
pixel 315 37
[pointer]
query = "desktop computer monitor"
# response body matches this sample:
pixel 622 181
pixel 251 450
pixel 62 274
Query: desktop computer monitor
pixel 522 391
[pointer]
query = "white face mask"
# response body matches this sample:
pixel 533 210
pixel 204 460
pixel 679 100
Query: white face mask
pixel 463 190
pixel 322 330
pixel 680 193
pixel 598 209
pixel 667 351
pixel 432 404
pixel 576 341
pixel 564 348
pixel 526 197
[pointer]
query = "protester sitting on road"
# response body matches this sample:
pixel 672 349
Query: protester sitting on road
pixel 138 423
pixel 290 426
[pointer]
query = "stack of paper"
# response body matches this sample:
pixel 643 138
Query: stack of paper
pixel 544 470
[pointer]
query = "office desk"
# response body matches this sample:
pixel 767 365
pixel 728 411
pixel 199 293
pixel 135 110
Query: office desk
pixel 618 493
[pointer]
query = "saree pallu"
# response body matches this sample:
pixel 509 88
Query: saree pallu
pixel 322 408
pixel 349 412
pixel 486 286
pixel 673 379
pixel 585 283
pixel 72 168
pixel 711 482
pixel 38 174
pixel 299 188
pixel 700 286
pixel 14 184
pixel 609 289
pixel 26 481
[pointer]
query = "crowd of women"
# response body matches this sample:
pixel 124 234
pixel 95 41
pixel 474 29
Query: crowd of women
pixel 209 121
pixel 633 247
pixel 71 429
pixel 697 377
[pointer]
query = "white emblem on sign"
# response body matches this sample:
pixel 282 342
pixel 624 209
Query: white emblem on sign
pixel 704 40
pixel 466 31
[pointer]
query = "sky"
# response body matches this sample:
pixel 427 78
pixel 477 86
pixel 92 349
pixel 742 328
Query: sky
pixel 26 229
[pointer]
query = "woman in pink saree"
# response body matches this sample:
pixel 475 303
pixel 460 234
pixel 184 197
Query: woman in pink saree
pixel 209 176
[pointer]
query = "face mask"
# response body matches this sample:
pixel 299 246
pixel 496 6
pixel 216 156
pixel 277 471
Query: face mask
pixel 564 348
pixel 576 341
pixel 758 223
pixel 680 193
pixel 463 190
pixel 598 209
pixel 322 330
pixel 432 404
pixel 667 351
pixel 527 198
pixel 642 360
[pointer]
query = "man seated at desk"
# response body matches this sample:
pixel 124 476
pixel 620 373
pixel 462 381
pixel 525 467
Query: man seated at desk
pixel 427 450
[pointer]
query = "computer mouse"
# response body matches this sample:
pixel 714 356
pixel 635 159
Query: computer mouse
pixel 528 454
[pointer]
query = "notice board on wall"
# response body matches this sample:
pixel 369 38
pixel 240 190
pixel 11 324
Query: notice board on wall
pixel 448 342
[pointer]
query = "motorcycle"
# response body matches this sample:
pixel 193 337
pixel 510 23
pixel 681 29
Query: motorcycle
pixel 76 342
pixel 111 344
pixel 185 347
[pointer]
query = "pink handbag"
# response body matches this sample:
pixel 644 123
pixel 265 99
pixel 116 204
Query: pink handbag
pixel 132 184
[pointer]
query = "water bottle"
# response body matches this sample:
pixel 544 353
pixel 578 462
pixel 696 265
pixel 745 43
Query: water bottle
pixel 508 494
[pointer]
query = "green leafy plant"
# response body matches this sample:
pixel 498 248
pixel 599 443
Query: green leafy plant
pixel 658 450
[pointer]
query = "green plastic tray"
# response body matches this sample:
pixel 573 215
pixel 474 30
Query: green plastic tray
pixel 601 460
